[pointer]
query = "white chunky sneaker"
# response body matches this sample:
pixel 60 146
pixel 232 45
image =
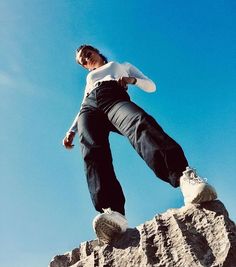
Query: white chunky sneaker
pixel 109 224
pixel 195 189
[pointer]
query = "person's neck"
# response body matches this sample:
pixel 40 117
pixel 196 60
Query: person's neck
pixel 99 64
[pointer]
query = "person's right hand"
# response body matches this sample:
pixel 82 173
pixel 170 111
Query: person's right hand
pixel 68 140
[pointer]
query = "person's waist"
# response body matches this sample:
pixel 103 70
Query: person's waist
pixel 109 85
pixel 105 83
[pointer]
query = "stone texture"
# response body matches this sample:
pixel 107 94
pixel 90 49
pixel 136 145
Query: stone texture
pixel 192 236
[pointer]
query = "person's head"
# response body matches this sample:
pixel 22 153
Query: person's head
pixel 89 57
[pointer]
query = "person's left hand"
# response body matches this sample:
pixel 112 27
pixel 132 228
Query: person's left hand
pixel 68 140
pixel 123 81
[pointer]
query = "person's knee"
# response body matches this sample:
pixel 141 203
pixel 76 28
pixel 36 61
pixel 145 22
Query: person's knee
pixel 93 152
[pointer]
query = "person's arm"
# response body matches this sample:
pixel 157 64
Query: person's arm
pixel 70 134
pixel 140 80
pixel 74 127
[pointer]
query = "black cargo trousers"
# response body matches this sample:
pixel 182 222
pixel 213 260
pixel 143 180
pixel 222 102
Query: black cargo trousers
pixel 108 108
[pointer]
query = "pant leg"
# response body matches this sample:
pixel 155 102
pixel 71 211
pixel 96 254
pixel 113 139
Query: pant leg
pixel 105 189
pixel 162 154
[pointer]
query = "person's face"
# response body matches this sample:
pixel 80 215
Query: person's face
pixel 88 58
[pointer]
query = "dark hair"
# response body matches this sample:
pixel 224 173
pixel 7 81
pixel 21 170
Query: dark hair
pixel 94 49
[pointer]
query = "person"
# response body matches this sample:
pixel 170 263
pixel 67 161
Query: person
pixel 107 107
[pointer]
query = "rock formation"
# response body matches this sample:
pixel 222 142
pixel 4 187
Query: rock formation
pixel 192 236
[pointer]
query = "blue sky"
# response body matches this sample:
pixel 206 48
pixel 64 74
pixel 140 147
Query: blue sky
pixel 186 47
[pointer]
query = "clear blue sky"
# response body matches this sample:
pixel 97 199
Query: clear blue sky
pixel 186 47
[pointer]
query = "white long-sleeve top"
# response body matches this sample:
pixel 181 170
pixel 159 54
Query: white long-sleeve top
pixel 114 71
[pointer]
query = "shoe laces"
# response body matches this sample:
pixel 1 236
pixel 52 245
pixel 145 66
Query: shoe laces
pixel 191 175
pixel 108 211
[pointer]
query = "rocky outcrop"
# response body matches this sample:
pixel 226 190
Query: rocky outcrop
pixel 192 236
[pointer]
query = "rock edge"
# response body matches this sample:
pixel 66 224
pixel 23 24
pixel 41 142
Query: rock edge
pixel 192 236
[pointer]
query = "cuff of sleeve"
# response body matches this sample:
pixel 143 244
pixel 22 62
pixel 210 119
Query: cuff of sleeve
pixel 73 129
pixel 146 85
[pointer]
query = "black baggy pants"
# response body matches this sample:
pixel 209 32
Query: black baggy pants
pixel 108 108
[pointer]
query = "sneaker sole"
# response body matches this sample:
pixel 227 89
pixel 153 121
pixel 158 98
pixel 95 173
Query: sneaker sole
pixel 207 194
pixel 106 230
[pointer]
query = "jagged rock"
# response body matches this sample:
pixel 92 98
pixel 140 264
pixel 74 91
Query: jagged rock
pixel 192 236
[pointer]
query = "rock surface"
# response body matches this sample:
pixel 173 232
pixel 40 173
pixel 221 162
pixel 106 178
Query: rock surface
pixel 192 236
